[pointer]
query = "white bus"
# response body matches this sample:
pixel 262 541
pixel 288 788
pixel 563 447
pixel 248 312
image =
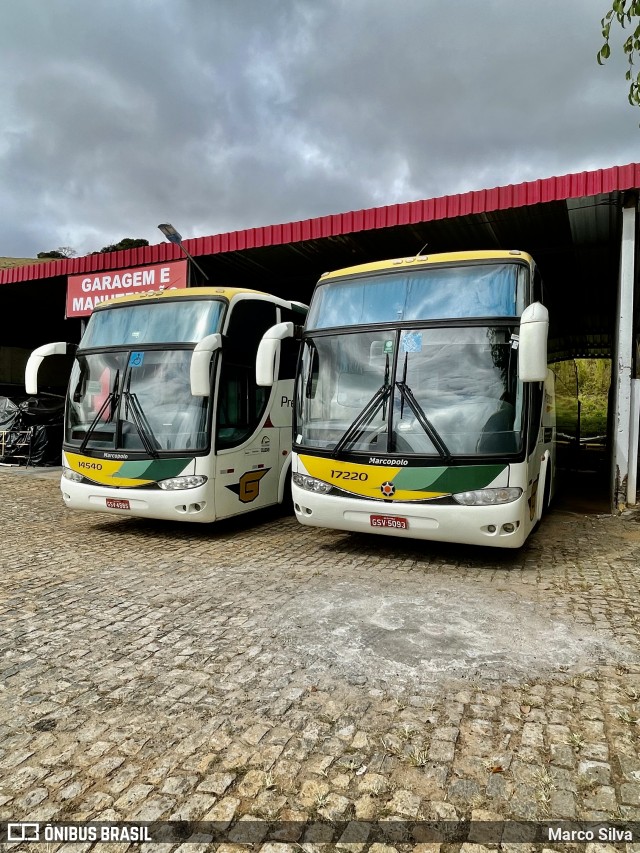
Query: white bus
pixel 164 418
pixel 423 403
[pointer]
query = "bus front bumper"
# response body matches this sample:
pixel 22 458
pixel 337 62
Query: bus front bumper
pixel 498 526
pixel 179 505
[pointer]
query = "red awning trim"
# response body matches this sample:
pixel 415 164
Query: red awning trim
pixel 579 185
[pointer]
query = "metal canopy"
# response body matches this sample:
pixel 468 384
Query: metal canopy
pixel 580 229
pixel 571 225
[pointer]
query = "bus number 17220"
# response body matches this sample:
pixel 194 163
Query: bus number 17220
pixel 350 475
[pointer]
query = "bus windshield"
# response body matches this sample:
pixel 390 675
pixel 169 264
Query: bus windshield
pixel 472 290
pixel 438 392
pixel 130 400
pixel 174 321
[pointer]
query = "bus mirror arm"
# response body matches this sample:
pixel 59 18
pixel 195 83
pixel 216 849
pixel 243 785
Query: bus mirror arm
pixel 532 344
pixel 200 363
pixel 37 357
pixel 267 350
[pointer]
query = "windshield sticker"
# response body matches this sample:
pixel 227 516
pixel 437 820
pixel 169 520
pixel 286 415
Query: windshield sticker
pixel 412 342
pixel 136 359
pixel 388 347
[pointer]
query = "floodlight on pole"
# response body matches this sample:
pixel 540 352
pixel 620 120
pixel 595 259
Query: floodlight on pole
pixel 170 233
pixel 174 237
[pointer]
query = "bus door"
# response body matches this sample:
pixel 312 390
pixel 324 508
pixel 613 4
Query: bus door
pixel 247 460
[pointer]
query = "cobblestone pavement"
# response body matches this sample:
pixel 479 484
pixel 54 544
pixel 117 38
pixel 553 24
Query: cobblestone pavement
pixel 152 671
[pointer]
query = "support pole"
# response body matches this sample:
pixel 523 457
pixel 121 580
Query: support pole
pixel 623 360
pixel 634 432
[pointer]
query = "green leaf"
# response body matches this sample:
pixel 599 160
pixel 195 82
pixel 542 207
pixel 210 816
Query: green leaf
pixel 605 51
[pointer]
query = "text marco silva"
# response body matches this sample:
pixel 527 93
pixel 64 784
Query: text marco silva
pixel 601 833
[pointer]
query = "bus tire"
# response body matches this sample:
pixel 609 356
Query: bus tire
pixel 546 500
pixel 287 498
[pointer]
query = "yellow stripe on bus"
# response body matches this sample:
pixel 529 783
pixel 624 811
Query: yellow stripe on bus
pixel 101 471
pixel 362 480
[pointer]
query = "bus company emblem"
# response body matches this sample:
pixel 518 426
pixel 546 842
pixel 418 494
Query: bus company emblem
pixel 248 487
pixel 388 489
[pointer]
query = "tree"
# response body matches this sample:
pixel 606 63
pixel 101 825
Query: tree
pixel 624 12
pixel 60 252
pixel 125 243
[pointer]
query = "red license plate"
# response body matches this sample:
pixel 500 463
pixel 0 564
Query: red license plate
pixel 114 504
pixel 394 521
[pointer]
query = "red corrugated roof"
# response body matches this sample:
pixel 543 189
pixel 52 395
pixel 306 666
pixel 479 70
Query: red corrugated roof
pixel 577 185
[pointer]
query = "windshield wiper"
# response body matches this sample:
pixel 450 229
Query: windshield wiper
pixel 357 428
pixel 140 421
pixel 407 394
pixel 110 399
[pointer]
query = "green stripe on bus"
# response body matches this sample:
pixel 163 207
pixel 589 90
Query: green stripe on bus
pixel 152 469
pixel 459 478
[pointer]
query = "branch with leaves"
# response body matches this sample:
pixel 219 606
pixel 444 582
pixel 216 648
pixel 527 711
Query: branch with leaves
pixel 624 12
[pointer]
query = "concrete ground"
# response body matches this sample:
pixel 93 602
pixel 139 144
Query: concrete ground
pixel 257 668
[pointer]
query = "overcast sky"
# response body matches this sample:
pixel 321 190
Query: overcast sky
pixel 218 115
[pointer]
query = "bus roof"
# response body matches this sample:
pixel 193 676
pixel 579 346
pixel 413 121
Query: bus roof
pixel 218 292
pixel 442 258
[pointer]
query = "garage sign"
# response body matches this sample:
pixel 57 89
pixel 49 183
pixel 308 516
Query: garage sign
pixel 84 292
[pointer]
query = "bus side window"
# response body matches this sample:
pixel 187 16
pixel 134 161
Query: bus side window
pixel 535 414
pixel 241 402
pixel 289 349
pixel 538 290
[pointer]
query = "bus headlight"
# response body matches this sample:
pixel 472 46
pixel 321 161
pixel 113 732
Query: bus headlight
pixel 175 483
pixel 69 474
pixel 488 497
pixel 311 484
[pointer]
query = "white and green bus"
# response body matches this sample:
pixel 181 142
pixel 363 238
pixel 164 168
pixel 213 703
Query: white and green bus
pixel 164 418
pixel 423 403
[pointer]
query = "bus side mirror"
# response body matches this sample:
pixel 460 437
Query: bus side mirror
pixel 268 347
pixel 532 348
pixel 37 357
pixel 200 363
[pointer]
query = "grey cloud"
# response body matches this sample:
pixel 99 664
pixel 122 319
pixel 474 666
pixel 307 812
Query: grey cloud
pixel 233 113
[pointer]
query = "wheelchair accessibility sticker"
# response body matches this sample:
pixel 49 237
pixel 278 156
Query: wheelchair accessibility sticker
pixel 136 359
